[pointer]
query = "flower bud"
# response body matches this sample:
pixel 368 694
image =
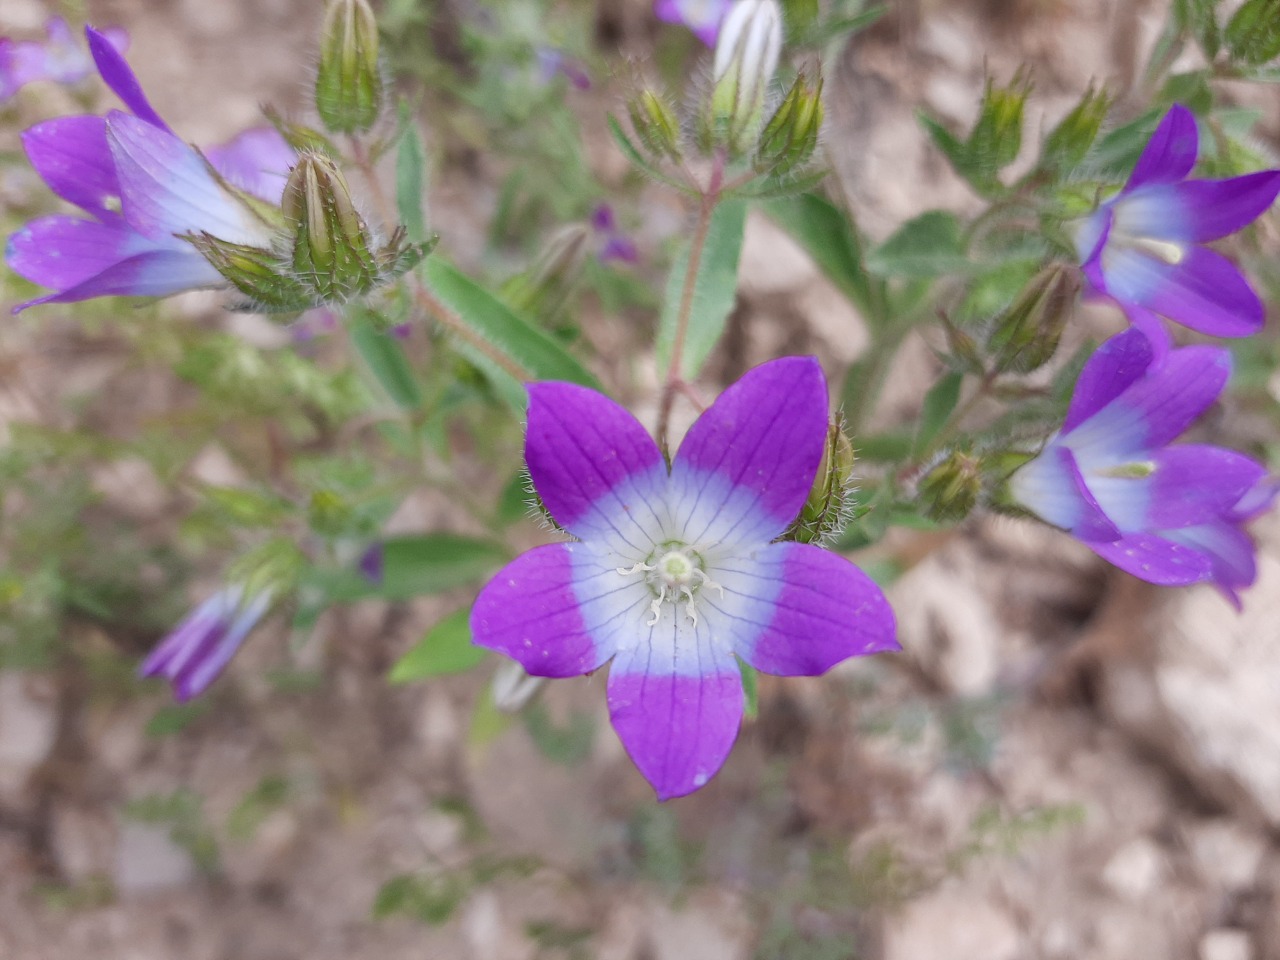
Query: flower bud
pixel 541 291
pixel 791 135
pixel 826 510
pixel 348 84
pixel 656 125
pixel 950 491
pixel 1026 335
pixel 331 242
pixel 746 57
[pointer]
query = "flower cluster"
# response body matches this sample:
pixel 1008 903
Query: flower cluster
pixel 677 572
pixel 144 191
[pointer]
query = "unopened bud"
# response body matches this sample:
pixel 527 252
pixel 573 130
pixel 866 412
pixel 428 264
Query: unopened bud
pixel 746 57
pixel 656 125
pixel 791 135
pixel 257 273
pixel 950 491
pixel 349 84
pixel 1026 335
pixel 827 508
pixel 540 291
pixel 331 243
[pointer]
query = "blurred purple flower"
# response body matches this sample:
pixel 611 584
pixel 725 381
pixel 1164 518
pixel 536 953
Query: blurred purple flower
pixel 200 647
pixel 702 17
pixel 616 244
pixel 370 564
pixel 1143 249
pixel 552 61
pixel 59 59
pixel 144 189
pixel 314 323
pixel 676 572
pixel 1169 515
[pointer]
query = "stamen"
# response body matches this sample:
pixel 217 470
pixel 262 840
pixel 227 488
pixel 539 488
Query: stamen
pixel 656 607
pixel 635 569
pixel 1165 250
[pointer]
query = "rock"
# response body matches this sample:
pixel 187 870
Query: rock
pixel 949 924
pixel 1136 869
pixel 490 934
pixel 709 927
pixel 83 840
pixel 1225 853
pixel 1203 688
pixel 28 729
pixel 1226 944
pixel 148 861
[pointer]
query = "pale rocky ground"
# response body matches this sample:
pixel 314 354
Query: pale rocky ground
pixel 1144 724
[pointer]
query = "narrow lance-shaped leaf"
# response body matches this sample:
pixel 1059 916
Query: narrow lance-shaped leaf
pixel 714 292
pixel 939 403
pixel 384 355
pixel 1253 33
pixel 411 180
pixel 415 566
pixel 830 239
pixel 926 247
pixel 446 649
pixel 540 356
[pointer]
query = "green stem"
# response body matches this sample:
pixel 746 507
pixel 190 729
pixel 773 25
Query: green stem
pixel 707 201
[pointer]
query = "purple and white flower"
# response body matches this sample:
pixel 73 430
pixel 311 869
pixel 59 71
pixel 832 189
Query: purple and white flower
pixel 675 573
pixel 702 17
pixel 143 189
pixel 1143 248
pixel 59 59
pixel 1169 515
pixel 615 246
pixel 200 647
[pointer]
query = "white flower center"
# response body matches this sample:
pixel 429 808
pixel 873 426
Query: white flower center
pixel 672 572
pixel 1166 250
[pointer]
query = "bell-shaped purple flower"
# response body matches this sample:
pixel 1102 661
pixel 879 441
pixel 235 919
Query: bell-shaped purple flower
pixel 702 17
pixel 200 647
pixel 676 573
pixel 1143 248
pixel 59 59
pixel 1169 515
pixel 143 189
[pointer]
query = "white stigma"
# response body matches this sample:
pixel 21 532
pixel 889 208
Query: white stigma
pixel 1166 250
pixel 676 573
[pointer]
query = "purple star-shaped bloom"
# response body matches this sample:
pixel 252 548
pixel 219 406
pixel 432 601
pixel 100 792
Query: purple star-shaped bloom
pixel 144 189
pixel 702 17
pixel 59 59
pixel 675 573
pixel 1169 515
pixel 197 650
pixel 1143 247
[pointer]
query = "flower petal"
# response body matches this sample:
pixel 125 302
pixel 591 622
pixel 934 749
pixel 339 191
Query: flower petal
pixel 1155 559
pixel 117 75
pixel 1152 327
pixel 60 251
pixel 1154 410
pixel 257 161
pixel 596 468
pixel 156 273
pixel 798 610
pixel 676 701
pixel 193 655
pixel 1195 483
pixel 701 17
pixel 167 188
pixel 1231 554
pixel 1110 371
pixel 1170 153
pixel 746 466
pixel 72 157
pixel 1204 290
pixel 558 610
pixel 1198 210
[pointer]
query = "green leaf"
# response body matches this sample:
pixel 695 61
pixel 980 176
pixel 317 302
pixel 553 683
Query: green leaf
pixel 411 188
pixel 939 403
pixel 415 566
pixel 826 234
pixel 384 355
pixel 447 648
pixel 715 290
pixel 923 248
pixel 750 689
pixel 1253 34
pixel 539 355
pixel 1202 21
pixel 1116 154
